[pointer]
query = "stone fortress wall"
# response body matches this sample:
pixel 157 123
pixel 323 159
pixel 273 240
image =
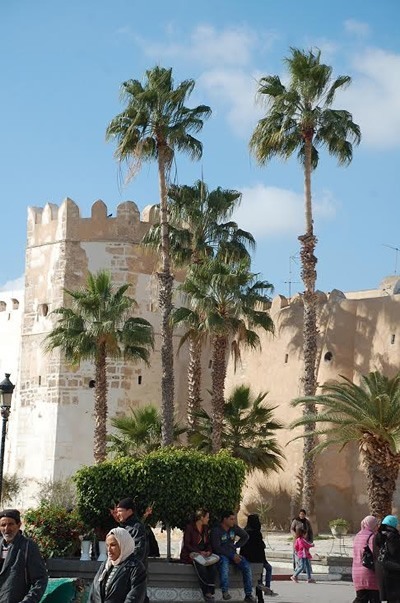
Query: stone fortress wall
pixel 51 424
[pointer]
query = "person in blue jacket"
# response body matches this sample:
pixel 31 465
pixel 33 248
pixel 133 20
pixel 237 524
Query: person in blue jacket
pixel 226 538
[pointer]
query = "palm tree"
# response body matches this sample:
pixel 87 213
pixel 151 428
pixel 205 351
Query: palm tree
pixel 155 124
pixel 248 431
pixel 98 327
pixel 228 301
pixel 368 414
pixel 200 227
pixel 139 433
pixel 300 119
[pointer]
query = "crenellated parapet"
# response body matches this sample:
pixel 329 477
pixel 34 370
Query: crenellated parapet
pixel 53 223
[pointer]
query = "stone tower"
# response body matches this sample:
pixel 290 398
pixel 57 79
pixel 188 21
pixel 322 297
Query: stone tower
pixel 51 432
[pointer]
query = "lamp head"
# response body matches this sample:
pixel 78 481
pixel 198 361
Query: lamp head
pixel 6 391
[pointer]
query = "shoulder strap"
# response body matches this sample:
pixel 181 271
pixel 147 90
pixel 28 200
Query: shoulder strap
pixel 26 562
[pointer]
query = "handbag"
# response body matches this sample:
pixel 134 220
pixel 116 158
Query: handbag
pixel 201 560
pixel 367 558
pixel 385 560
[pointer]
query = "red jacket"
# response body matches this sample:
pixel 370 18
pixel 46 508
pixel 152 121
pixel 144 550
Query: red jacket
pixel 194 542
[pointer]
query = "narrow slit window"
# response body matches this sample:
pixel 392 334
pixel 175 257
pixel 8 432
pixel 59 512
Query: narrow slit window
pixel 210 364
pixel 392 339
pixel 139 380
pixel 286 358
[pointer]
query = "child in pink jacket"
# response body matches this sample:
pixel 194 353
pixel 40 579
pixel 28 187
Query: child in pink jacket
pixel 302 548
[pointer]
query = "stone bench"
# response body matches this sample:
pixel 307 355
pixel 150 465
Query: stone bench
pixel 168 580
pixel 174 581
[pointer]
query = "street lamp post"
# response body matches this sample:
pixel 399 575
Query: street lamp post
pixel 6 392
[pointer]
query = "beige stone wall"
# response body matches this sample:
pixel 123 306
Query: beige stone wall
pixel 356 336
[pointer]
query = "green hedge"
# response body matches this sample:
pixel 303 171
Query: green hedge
pixel 177 481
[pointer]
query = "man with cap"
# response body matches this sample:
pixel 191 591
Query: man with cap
pixel 127 518
pixel 23 573
pixel 125 514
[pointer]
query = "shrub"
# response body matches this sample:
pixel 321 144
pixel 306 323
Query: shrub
pixel 55 530
pixel 177 481
pixel 57 492
pixel 12 486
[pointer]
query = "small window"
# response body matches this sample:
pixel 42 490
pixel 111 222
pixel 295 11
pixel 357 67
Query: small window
pixel 392 339
pixel 286 358
pixel 328 356
pixel 43 310
pixel 39 380
pixel 139 380
pixel 3 306
pixel 210 364
pixel 15 304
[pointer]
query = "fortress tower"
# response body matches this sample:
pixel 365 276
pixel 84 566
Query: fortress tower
pixel 51 430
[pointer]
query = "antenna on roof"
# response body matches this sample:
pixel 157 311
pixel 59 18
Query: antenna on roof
pixel 290 282
pixel 396 249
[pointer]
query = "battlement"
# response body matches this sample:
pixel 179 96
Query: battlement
pixel 53 223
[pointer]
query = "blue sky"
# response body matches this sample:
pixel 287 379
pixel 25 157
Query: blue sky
pixel 62 64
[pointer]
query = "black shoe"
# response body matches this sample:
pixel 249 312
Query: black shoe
pixel 249 599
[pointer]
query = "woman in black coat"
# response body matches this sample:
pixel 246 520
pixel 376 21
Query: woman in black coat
pixel 121 578
pixel 387 570
pixel 254 551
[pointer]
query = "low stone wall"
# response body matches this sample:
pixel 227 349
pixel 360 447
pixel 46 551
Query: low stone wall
pixel 168 580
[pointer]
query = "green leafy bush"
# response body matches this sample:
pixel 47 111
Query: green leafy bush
pixel 55 530
pixel 177 481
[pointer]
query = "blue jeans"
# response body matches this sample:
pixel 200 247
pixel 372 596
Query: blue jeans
pixel 244 567
pixel 304 565
pixel 268 574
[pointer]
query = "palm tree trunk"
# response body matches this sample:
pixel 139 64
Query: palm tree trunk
pixel 309 276
pixel 382 470
pixel 218 390
pixel 100 406
pixel 194 382
pixel 165 303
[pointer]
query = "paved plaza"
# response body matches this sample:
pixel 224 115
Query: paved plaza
pixel 322 592
pixel 325 590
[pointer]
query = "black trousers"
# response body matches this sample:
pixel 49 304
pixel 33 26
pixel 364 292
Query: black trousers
pixel 206 575
pixel 367 596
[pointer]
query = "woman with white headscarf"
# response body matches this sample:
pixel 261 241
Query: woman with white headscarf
pixel 364 579
pixel 121 578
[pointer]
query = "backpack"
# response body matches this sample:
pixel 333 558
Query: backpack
pixel 367 558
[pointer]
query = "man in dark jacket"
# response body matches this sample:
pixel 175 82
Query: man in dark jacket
pixel 226 538
pixel 128 519
pixel 23 574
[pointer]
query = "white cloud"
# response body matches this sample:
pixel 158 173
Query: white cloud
pixel 15 285
pixel 206 45
pixel 357 28
pixel 374 97
pixel 233 90
pixel 268 211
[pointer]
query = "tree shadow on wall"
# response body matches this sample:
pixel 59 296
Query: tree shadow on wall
pixel 272 505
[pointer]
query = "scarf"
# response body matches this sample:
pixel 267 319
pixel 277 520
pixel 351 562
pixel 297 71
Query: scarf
pixel 126 545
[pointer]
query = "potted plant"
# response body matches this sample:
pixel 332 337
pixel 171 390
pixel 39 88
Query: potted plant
pixel 339 527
